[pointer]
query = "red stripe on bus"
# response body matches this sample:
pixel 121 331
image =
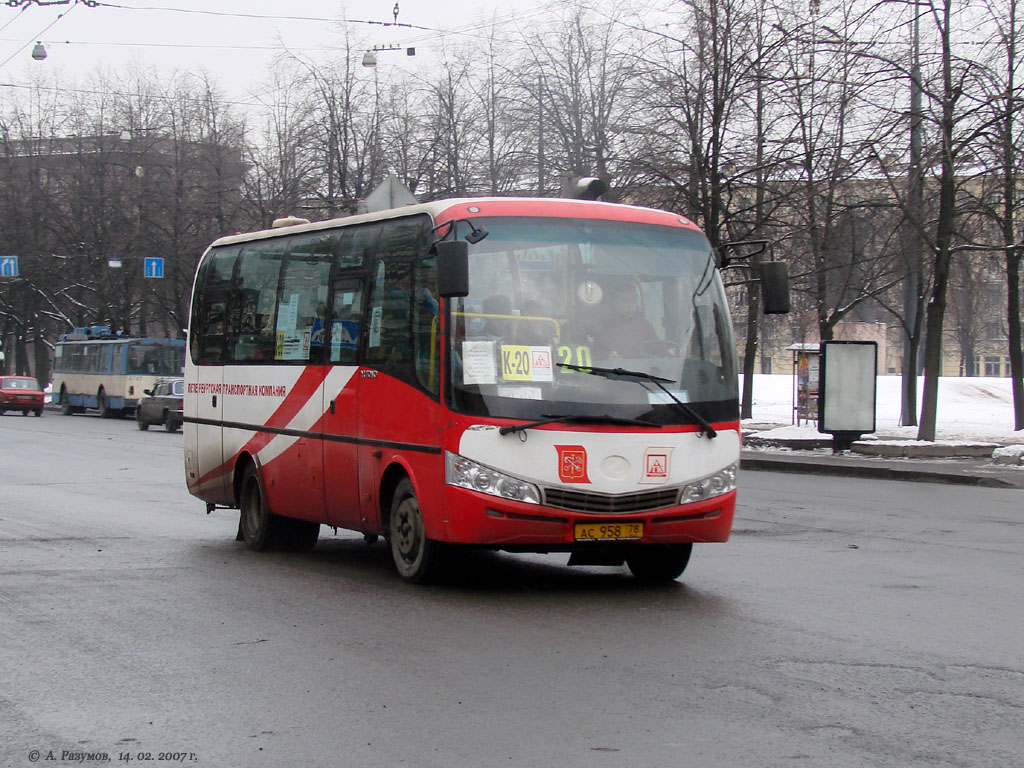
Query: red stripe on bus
pixel 307 385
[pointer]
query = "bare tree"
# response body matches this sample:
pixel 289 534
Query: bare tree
pixel 957 130
pixel 1000 198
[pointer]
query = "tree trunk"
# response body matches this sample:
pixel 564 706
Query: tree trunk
pixel 42 357
pixel 1013 259
pixel 943 236
pixel 1013 254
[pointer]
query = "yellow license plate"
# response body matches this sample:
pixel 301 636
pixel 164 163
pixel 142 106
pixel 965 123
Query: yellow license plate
pixel 609 531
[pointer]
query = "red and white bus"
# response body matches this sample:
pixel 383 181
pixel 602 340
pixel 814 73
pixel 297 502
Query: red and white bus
pixel 518 374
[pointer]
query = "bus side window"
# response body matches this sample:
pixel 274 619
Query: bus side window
pixel 302 300
pixel 253 300
pixel 426 329
pixel 390 333
pixel 346 320
pixel 389 338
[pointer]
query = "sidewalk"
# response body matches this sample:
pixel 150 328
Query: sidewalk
pixel 978 471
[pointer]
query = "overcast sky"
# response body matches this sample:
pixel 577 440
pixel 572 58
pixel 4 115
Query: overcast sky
pixel 227 37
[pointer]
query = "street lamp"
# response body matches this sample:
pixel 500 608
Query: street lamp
pixel 370 57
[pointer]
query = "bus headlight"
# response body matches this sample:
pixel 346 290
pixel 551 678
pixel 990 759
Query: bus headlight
pixel 462 472
pixel 711 486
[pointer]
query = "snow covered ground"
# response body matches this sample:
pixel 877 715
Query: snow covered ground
pixel 978 409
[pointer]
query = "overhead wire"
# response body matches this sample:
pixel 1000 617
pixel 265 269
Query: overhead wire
pixel 226 46
pixel 465 30
pixel 14 18
pixel 39 34
pixel 272 17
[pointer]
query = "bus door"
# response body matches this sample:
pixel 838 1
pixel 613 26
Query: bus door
pixel 341 405
pixel 399 384
pixel 208 336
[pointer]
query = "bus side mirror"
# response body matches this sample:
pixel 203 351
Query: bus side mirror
pixel 775 287
pixel 452 268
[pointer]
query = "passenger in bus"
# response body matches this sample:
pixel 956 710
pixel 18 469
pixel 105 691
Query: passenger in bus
pixel 534 328
pixel 620 328
pixel 500 324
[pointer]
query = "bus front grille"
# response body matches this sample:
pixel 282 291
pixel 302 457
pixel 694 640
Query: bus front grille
pixel 603 504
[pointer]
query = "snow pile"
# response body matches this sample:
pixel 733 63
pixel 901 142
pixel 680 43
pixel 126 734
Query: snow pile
pixel 1009 454
pixel 970 409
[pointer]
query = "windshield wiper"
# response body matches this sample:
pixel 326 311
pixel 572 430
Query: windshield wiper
pixel 622 374
pixel 550 418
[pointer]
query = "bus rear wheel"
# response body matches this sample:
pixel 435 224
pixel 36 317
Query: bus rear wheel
pixel 299 535
pixel 655 563
pixel 65 403
pixel 261 528
pixel 415 556
pixel 106 412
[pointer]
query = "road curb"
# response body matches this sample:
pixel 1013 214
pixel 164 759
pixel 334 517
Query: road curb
pixel 840 467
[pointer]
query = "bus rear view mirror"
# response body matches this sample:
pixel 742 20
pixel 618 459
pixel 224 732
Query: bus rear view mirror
pixel 775 287
pixel 452 268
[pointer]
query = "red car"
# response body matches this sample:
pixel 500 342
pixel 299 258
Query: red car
pixel 20 393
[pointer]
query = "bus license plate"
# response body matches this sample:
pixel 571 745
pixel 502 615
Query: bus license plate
pixel 609 531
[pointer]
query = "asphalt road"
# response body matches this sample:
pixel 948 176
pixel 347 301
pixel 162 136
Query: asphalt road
pixel 848 623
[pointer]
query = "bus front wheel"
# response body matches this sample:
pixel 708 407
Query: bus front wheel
pixel 659 562
pixel 415 555
pixel 261 528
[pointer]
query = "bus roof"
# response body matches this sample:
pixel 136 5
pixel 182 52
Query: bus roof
pixel 441 211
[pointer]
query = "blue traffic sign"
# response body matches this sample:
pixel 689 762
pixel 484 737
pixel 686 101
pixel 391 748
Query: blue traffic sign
pixel 154 267
pixel 8 266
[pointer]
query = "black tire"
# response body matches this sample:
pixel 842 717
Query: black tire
pixel 170 424
pixel 106 412
pixel 261 528
pixel 65 404
pixel 299 535
pixel 415 556
pixel 141 422
pixel 24 412
pixel 659 562
pixel 39 411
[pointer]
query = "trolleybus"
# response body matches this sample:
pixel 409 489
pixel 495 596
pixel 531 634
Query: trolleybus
pixel 93 368
pixel 518 374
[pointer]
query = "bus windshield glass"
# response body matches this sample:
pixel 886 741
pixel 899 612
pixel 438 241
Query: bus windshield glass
pixel 582 292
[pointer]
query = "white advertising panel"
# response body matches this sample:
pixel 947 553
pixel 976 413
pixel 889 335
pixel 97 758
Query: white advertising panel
pixel 847 391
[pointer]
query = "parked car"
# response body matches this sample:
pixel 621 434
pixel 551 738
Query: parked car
pixel 20 393
pixel 163 404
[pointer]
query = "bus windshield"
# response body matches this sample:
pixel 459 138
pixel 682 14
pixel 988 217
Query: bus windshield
pixel 582 292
